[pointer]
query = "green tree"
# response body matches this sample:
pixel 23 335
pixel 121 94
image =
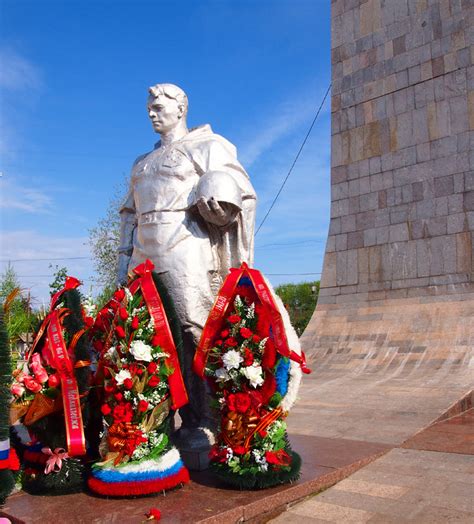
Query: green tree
pixel 60 274
pixel 300 301
pixel 19 317
pixel 104 239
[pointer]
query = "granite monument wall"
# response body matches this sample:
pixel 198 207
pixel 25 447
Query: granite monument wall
pixel 398 281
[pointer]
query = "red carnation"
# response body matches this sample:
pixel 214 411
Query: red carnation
pixel 242 402
pixel 109 388
pixel 225 333
pixel 248 358
pixel 245 332
pixel 231 342
pixel 239 450
pixel 105 408
pixel 135 323
pixel 154 514
pixel 279 458
pixel 231 402
pixel 217 453
pixel 119 295
pixel 119 331
pixel 123 313
pixel 233 319
pixel 155 341
pixel 142 406
pixel 218 342
pixel 127 383
pixel 89 322
pixel 256 339
pixel 154 381
pixel 152 367
pixel 118 396
pixel 123 412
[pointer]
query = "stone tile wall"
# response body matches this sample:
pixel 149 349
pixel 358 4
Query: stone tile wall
pixel 397 290
pixel 402 213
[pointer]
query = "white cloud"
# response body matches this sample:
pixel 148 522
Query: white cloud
pixel 24 197
pixel 17 72
pixel 286 118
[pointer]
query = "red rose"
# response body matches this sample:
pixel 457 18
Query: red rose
pixel 53 381
pixel 119 331
pixel 135 323
pixel 245 332
pixel 119 295
pixel 225 333
pixel 154 514
pixel 239 450
pixel 118 396
pixel 256 339
pixel 142 406
pixel 233 319
pixel 127 383
pixel 152 367
pixel 106 410
pixel 231 342
pixel 154 381
pixel 155 341
pixel 123 313
pixel 32 384
pixel 242 402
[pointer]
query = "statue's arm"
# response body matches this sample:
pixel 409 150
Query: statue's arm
pixel 128 224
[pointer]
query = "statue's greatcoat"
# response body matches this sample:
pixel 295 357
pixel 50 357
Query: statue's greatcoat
pixel 161 222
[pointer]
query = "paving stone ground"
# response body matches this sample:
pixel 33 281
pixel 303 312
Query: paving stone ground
pixel 429 480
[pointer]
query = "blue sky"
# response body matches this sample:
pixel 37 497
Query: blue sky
pixel 73 85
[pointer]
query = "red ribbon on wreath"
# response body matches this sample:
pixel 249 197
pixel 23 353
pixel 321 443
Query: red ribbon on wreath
pixel 72 406
pixel 220 307
pixel 163 334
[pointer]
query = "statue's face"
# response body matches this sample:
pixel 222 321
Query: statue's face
pixel 165 113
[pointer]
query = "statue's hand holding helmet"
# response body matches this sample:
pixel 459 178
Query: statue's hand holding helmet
pixel 218 198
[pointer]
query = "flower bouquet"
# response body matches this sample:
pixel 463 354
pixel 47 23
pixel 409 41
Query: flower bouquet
pixel 50 392
pixel 142 383
pixel 254 376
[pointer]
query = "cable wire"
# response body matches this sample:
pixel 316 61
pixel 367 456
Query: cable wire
pixel 295 160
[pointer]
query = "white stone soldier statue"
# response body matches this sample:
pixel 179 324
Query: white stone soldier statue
pixel 191 210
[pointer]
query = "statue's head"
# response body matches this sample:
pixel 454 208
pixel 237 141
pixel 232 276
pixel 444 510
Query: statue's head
pixel 167 107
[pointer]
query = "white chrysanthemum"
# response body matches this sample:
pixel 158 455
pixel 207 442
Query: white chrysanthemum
pixel 254 375
pixel 232 359
pixel 140 350
pixel 122 375
pixel 222 375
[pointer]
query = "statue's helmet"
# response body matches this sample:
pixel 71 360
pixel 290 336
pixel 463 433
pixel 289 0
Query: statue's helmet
pixel 221 186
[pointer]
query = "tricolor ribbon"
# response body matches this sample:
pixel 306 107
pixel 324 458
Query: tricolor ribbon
pixel 221 305
pixel 70 393
pixel 162 329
